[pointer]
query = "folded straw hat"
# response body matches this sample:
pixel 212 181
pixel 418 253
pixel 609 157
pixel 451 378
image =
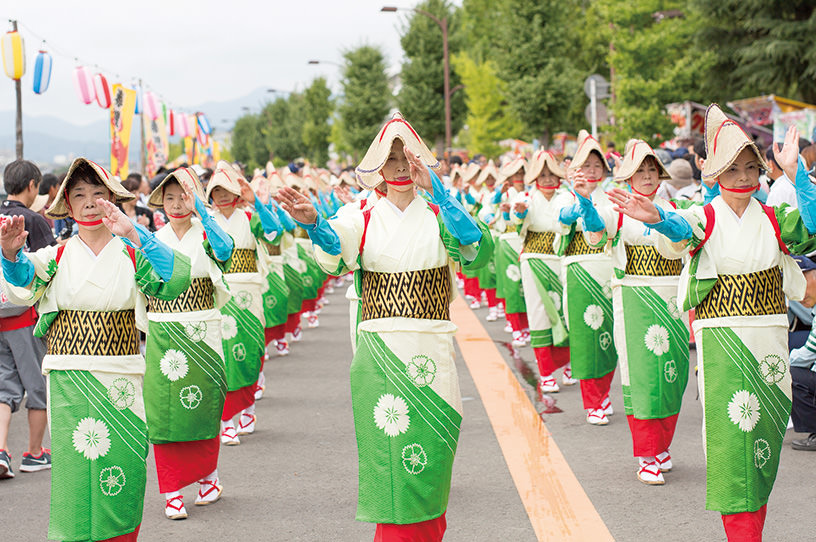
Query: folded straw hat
pixel 469 172
pixel 488 171
pixel 226 177
pixel 512 167
pixel 587 144
pixel 536 165
pixel 635 153
pixel 83 166
pixel 156 198
pixel 39 202
pixel 724 140
pixel 368 170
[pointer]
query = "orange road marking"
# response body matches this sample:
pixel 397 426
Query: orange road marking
pixel 557 505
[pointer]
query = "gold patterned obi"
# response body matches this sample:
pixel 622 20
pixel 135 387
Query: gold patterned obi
pixel 273 250
pixel 510 228
pixel 578 246
pixel 301 233
pixel 539 242
pixel 754 294
pixel 198 297
pixel 645 260
pixel 243 261
pixel 93 333
pixel 424 294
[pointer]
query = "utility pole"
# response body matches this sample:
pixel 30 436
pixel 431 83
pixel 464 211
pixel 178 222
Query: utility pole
pixel 19 93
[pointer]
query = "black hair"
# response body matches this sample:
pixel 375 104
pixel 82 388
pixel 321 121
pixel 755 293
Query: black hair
pixel 83 173
pixel 18 175
pixel 700 149
pixel 49 181
pixel 135 177
pixel 455 159
pixel 769 157
pixel 131 183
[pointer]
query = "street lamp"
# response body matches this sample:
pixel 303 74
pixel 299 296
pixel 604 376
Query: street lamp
pixel 443 25
pixel 314 62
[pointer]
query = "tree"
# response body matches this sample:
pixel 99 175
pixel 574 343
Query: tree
pixel 316 129
pixel 366 98
pixel 282 127
pixel 248 142
pixel 489 118
pixel 422 96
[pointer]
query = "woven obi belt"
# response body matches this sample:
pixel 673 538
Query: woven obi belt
pixel 93 333
pixel 645 260
pixel 198 297
pixel 243 261
pixel 539 242
pixel 424 294
pixel 754 294
pixel 510 228
pixel 301 233
pixel 578 246
pixel 273 250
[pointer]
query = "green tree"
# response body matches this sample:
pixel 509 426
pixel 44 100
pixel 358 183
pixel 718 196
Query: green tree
pixel 474 17
pixel 248 142
pixel 282 126
pixel 366 98
pixel 316 129
pixel 422 95
pixel 489 117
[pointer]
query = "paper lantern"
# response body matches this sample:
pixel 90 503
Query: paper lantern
pixel 164 112
pixel 42 72
pixel 171 122
pixel 13 48
pixel 151 105
pixel 191 125
pixel 181 125
pixel 83 83
pixel 204 124
pixel 138 110
pixel 102 90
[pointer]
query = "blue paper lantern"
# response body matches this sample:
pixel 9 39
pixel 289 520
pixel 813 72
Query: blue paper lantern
pixel 204 124
pixel 138 110
pixel 42 72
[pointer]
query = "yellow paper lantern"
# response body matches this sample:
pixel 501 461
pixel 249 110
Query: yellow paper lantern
pixel 13 49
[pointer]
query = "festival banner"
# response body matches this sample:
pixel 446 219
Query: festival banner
pixel 123 107
pixel 156 144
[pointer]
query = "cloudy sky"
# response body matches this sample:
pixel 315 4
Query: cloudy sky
pixel 192 52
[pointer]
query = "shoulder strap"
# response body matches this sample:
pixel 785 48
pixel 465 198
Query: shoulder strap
pixel 434 208
pixel 132 253
pixel 366 220
pixel 769 211
pixel 363 203
pixel 620 221
pixel 709 228
pixel 674 205
pixel 60 250
pixel 248 215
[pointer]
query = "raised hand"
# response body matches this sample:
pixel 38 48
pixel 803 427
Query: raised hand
pixel 263 189
pixel 419 171
pixel 504 207
pixel 12 236
pixel 343 194
pixel 634 206
pixel 788 156
pixel 581 186
pixel 246 191
pixel 117 222
pixel 520 207
pixel 188 197
pixel 297 205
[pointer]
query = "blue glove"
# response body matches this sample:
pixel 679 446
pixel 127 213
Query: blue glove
pixel 271 224
pixel 524 214
pixel 159 255
pixel 19 273
pixel 458 222
pixel 673 226
pixel 323 235
pixel 805 197
pixel 569 215
pixel 497 195
pixel 592 220
pixel 221 243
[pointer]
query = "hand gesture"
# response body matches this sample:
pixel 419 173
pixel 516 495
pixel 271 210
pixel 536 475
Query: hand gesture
pixel 263 190
pixel 520 207
pixel 419 171
pixel 788 156
pixel 634 206
pixel 504 207
pixel 117 222
pixel 297 205
pixel 343 194
pixel 188 197
pixel 12 235
pixel 581 186
pixel 246 191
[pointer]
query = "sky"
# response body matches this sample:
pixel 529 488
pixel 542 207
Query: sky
pixel 192 52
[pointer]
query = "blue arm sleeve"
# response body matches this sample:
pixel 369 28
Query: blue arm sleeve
pixel 269 221
pixel 806 197
pixel 159 255
pixel 497 195
pixel 335 202
pixel 285 220
pixel 506 215
pixel 672 226
pixel 323 235
pixel 592 220
pixel 522 215
pixel 458 222
pixel 19 273
pixel 469 198
pixel 710 193
pixel 221 243
pixel 569 215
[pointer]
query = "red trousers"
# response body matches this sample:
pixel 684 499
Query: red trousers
pixel 237 401
pixel 308 305
pixel 595 390
pixel 129 537
pixel 274 333
pixel 472 287
pixel 292 322
pixel 745 526
pixel 179 464
pixel 431 530
pixel 523 321
pixel 492 301
pixel 550 358
pixel 651 437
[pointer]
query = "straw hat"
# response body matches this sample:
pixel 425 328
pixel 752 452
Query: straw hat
pixel 724 140
pixel 59 208
pixel 512 167
pixel 635 153
pixel 226 177
pixel 536 165
pixel 469 172
pixel 156 198
pixel 587 144
pixel 39 202
pixel 348 178
pixel 293 181
pixel 368 170
pixel 454 172
pixel 488 171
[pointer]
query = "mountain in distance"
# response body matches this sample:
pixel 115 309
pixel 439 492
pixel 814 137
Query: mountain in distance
pixel 49 140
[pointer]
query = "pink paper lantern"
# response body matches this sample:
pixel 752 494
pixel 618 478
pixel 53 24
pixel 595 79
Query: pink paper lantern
pixel 181 125
pixel 102 90
pixel 151 105
pixel 83 83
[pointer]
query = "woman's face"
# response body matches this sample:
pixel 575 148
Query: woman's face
pixel 743 173
pixel 221 197
pixel 518 180
pixel 173 205
pixel 490 181
pixel 396 168
pixel 646 179
pixel 593 168
pixel 547 180
pixel 82 204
